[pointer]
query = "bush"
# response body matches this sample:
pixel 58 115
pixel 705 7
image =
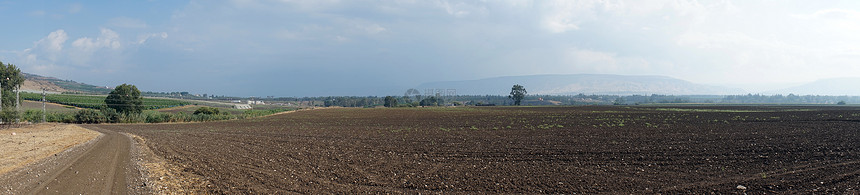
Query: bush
pixel 60 117
pixel 158 117
pixel 133 118
pixel 111 115
pixel 207 110
pixel 841 103
pixel 89 116
pixel 33 116
pixel 8 115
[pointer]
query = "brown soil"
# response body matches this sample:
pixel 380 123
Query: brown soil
pixel 35 142
pixel 520 150
pixel 162 177
pixel 102 166
pixel 50 107
pixel 38 85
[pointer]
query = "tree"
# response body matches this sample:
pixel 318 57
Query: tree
pixel 11 79
pixel 430 101
pixel 840 103
pixel 89 116
pixel 125 98
pixel 207 110
pixel 390 101
pixel 518 92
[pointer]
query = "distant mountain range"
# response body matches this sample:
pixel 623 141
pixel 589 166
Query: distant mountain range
pixel 834 86
pixel 581 83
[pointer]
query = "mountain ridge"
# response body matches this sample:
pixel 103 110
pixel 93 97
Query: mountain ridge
pixel 572 84
pixel 829 86
pixel 36 83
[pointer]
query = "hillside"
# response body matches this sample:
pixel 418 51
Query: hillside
pixel 581 83
pixel 834 86
pixel 35 83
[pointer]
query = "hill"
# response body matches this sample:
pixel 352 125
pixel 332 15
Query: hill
pixel 834 86
pixel 581 83
pixel 35 83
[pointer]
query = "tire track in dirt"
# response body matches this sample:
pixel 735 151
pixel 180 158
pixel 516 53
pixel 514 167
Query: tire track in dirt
pixel 756 178
pixel 101 170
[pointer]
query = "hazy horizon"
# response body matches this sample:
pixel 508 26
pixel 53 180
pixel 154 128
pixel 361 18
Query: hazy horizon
pixel 320 48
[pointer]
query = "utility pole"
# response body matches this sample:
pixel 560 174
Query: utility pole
pixel 43 105
pixel 17 105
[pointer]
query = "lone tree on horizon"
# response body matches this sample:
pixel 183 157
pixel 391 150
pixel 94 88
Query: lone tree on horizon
pixel 390 101
pixel 518 92
pixel 125 98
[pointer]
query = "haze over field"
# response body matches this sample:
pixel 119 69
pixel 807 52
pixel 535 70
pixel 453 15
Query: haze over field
pixel 319 48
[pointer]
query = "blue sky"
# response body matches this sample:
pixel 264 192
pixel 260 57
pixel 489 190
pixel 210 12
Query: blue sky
pixel 332 47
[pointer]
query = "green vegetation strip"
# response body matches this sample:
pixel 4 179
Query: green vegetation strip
pixel 98 102
pixel 723 110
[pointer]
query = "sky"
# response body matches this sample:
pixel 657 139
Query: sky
pixel 291 48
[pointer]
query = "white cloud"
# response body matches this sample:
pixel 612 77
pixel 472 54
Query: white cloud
pixel 374 28
pixel 107 39
pixel 126 22
pixel 55 55
pixel 341 38
pixel 562 16
pixel 145 37
pixel 840 14
pixel 458 9
pixel 53 42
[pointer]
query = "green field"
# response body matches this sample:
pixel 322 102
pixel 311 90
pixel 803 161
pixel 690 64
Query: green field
pixel 98 101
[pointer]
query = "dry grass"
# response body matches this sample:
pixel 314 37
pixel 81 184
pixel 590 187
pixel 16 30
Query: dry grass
pixel 165 178
pixel 27 144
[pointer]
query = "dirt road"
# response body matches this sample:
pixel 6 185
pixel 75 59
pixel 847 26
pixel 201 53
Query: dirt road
pixel 103 168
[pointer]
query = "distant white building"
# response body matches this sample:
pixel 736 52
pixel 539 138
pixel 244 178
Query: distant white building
pixel 242 106
pixel 256 102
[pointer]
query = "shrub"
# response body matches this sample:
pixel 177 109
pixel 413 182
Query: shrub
pixel 133 118
pixel 8 115
pixel 89 116
pixel 111 115
pixel 158 117
pixel 34 116
pixel 60 117
pixel 207 110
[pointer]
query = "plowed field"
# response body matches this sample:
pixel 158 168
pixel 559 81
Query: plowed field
pixel 521 150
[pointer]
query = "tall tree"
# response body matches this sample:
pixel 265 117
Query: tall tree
pixel 390 101
pixel 11 79
pixel 125 98
pixel 430 101
pixel 518 92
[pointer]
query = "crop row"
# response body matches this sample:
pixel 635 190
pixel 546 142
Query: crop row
pixel 98 102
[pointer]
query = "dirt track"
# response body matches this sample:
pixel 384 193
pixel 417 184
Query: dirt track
pixel 102 166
